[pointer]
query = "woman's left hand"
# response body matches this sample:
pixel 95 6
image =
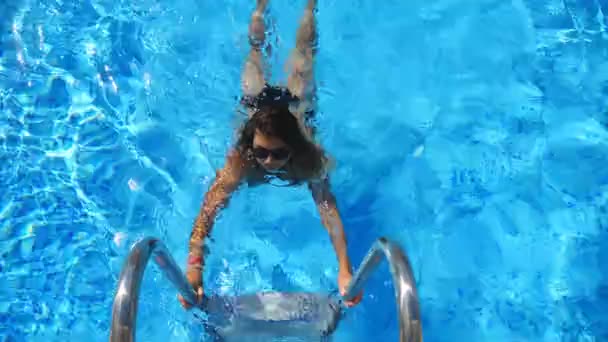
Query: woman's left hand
pixel 344 278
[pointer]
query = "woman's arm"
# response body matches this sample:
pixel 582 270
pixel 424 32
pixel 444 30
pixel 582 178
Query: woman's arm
pixel 226 182
pixel 330 217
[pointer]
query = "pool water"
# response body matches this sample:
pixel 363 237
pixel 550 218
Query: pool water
pixel 473 133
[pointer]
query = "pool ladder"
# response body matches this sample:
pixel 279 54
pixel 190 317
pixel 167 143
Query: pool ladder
pixel 124 310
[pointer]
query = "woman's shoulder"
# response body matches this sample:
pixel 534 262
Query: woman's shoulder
pixel 237 167
pixel 234 157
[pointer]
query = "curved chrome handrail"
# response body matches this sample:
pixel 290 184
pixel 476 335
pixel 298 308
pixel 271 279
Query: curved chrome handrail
pixel 124 310
pixel 408 306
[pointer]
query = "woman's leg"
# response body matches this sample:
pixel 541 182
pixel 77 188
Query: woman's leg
pixel 252 78
pixel 300 81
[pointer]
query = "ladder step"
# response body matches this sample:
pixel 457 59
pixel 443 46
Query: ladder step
pixel 272 314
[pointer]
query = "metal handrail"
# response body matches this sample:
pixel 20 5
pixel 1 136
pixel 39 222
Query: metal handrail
pixel 124 309
pixel 408 306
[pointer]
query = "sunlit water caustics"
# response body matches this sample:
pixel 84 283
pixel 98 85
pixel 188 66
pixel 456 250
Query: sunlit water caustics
pixel 471 132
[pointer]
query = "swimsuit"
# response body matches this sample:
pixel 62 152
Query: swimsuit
pixel 274 95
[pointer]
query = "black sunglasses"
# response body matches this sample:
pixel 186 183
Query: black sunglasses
pixel 277 154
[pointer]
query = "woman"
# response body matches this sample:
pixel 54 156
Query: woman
pixel 275 141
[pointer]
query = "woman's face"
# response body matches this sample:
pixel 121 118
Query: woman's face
pixel 270 152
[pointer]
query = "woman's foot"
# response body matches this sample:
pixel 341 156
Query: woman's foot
pixel 312 4
pixel 257 28
pixel 261 5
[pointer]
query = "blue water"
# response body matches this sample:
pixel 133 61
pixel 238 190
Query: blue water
pixel 472 132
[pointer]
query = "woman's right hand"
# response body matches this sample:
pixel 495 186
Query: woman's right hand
pixel 194 277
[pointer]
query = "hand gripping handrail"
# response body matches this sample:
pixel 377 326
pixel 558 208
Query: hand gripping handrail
pixel 408 306
pixel 124 310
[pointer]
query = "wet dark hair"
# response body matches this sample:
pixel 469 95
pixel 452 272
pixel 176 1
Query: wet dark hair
pixel 307 160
